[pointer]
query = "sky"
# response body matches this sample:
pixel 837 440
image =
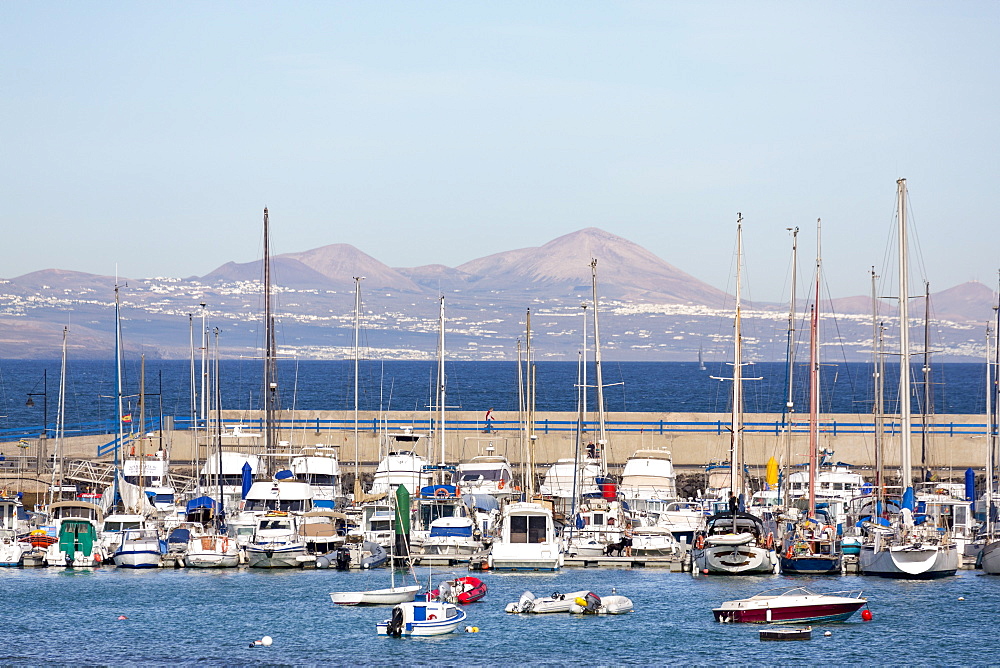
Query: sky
pixel 146 138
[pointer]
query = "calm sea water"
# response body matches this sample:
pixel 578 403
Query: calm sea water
pixel 473 386
pixel 203 617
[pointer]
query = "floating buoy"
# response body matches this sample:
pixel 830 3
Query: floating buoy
pixel 263 642
pixel 961 598
pixel 828 633
pixel 866 615
pixel 705 571
pixel 122 618
pixel 472 629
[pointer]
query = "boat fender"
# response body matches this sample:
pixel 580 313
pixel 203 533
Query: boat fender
pixel 502 483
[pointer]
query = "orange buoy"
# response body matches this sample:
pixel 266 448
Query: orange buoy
pixel 866 615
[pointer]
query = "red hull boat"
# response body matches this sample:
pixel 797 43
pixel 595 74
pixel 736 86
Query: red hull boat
pixel 790 606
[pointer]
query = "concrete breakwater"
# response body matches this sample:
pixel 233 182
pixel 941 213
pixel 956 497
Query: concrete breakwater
pixel 950 444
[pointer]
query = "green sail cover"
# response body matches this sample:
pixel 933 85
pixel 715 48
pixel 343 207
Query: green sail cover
pixel 402 511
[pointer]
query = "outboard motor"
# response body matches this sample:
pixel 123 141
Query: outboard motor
pixel 343 559
pixel 395 626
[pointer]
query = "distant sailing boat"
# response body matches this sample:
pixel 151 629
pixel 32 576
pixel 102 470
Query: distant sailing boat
pixel 701 361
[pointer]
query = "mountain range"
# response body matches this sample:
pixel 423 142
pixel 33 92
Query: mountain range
pixel 650 309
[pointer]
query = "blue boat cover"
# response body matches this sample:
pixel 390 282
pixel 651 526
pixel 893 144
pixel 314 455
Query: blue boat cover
pixel 323 503
pixel 247 478
pixel 179 536
pixel 284 475
pixel 202 502
pixel 432 490
pixel 483 502
pixel 460 532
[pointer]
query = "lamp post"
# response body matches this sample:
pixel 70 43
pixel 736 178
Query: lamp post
pixel 44 394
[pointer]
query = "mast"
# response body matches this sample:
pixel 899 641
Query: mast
pixel 905 418
pixel 878 389
pixel 57 455
pixel 141 405
pixel 521 415
pixel 789 361
pixel 441 382
pixel 814 381
pixel 118 382
pixel 736 464
pixel 220 518
pixel 202 433
pixel 928 407
pixel 991 434
pixel 194 404
pixel 357 355
pixel 270 357
pixel 529 425
pixel 603 439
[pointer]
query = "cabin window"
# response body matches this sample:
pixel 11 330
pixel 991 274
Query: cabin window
pixel 598 519
pixel 321 479
pixel 838 486
pixel 527 529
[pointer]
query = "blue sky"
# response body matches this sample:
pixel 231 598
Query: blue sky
pixel 150 136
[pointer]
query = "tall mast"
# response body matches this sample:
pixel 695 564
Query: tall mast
pixel 878 389
pixel 220 518
pixel 441 381
pixel 928 407
pixel 991 433
pixel 194 403
pixel 790 361
pixel 118 381
pixel 141 405
pixel 905 419
pixel 203 346
pixel 57 455
pixel 270 356
pixel 736 438
pixel 814 380
pixel 529 425
pixel 603 439
pixel 357 355
pixel 522 416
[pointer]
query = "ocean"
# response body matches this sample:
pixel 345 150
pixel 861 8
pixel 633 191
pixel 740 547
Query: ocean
pixel 203 617
pixel 91 388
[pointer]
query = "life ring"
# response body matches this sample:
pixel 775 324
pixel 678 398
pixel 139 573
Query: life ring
pixel 699 542
pixel 430 617
pixel 225 545
pixel 440 492
pixel 790 552
pixel 769 541
pixel 502 483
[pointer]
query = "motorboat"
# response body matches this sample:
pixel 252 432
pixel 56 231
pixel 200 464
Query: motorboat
pixel 527 539
pixel 76 528
pixel 422 618
pixel 402 466
pixel 212 550
pixel 139 548
pixel 11 549
pixel 319 467
pixel 791 605
pixel 648 480
pixel 812 546
pixel 276 543
pixel 111 531
pixel 592 604
pixel 456 536
pixel 486 474
pixel 556 602
pixel 559 486
pixel 390 596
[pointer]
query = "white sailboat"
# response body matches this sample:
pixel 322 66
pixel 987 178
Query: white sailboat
pixel 906 550
pixel 734 542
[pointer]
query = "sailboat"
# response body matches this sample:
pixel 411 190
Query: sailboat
pixel 735 542
pixel 989 556
pixel 906 549
pixel 813 547
pixel 526 537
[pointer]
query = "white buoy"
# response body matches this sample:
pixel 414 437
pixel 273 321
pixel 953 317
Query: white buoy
pixel 828 633
pixel 266 641
pixel 961 598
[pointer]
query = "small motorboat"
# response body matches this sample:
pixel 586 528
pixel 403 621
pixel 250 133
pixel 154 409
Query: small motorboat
pixel 390 596
pixel 555 603
pixel 460 590
pixel 422 618
pixel 791 605
pixel 592 604
pixel 787 634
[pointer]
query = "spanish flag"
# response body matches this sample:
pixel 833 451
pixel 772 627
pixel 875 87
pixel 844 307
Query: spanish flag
pixel 127 418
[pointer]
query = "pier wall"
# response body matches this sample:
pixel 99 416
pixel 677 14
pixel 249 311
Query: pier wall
pixel 954 442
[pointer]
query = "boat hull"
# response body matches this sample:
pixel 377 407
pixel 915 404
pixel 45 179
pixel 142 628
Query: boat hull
pixel 435 627
pixel 990 558
pixel 212 560
pixel 137 559
pixel 811 565
pixel 910 563
pixel 390 596
pixel 794 614
pixel 734 560
pixel 276 557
